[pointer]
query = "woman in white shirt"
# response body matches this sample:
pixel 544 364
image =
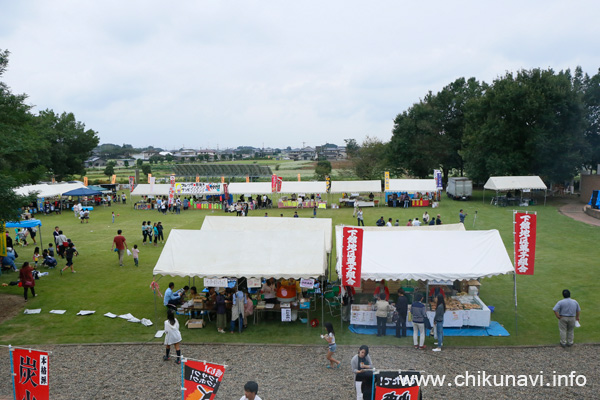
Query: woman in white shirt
pixel 172 336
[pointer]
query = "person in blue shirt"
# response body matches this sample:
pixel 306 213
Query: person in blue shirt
pixel 172 298
pixel 237 310
pixel 8 261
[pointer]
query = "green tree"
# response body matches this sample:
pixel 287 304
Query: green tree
pixel 66 143
pixel 109 170
pixel 370 159
pixel 351 147
pixel 322 169
pixel 139 162
pixel 529 123
pixel 126 163
pixel 19 162
pixel 591 99
pixel 169 157
pixel 146 169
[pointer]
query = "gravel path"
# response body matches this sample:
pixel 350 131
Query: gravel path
pixel 136 371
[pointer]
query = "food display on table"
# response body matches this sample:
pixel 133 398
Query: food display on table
pixel 461 302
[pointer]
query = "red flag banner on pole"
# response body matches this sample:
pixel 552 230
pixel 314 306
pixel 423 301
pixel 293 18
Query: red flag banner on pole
pixel 30 374
pixel 273 183
pixel 525 233
pixel 131 183
pixel 397 385
pixel 201 380
pixel 352 243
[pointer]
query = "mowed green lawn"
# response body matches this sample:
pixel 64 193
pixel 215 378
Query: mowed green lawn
pixel 566 257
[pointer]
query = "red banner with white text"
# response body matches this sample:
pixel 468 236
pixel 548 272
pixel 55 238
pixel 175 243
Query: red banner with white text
pixel 201 380
pixel 30 378
pixel 525 234
pixel 396 385
pixel 352 244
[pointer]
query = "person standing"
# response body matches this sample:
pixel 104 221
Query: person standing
pixel 221 312
pixel 136 254
pixel 120 244
pixel 567 311
pixel 359 216
pixel 440 309
pixel 172 336
pixel 418 318
pixel 155 233
pixel 237 310
pixel 381 312
pixel 347 300
pixel 144 233
pixel 402 310
pixel 362 367
pixel 462 216
pixel 26 278
pixel 161 236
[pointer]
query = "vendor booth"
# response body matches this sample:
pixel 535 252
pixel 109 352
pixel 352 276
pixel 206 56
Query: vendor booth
pixel 28 223
pixel 418 192
pixel 463 256
pixel 516 189
pixel 358 192
pixel 207 196
pixel 304 194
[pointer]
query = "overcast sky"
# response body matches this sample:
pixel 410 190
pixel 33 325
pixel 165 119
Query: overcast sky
pixel 203 74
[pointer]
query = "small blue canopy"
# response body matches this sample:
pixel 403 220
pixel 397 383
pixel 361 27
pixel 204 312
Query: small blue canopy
pixel 82 192
pixel 28 223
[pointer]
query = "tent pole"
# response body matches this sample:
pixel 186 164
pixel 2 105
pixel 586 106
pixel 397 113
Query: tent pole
pixel 545 194
pixel 516 313
pixel 515 272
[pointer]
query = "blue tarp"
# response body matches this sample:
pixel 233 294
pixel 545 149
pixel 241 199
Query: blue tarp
pixel 82 192
pixel 597 205
pixel 28 223
pixel 495 329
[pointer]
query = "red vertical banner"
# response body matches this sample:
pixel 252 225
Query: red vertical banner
pixel 226 192
pixel 395 385
pixel 279 182
pixel 525 234
pixel 172 190
pixel 131 183
pixel 30 374
pixel 201 380
pixel 273 183
pixel 352 243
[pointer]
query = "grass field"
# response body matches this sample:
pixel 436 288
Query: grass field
pixel 565 258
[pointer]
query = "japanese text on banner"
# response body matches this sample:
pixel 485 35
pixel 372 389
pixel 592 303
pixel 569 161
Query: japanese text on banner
pixel 525 235
pixel 31 374
pixel 352 242
pixel 202 379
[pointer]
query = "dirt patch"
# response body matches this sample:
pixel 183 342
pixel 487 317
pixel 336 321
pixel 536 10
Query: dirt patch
pixel 10 305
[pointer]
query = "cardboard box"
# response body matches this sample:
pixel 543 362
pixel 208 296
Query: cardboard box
pixel 195 324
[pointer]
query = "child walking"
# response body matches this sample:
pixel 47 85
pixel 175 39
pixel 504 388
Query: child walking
pixel 135 252
pixel 69 253
pixel 113 217
pixel 172 336
pixel 330 338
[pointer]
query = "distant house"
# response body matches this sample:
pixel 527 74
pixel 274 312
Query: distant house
pixel 305 154
pixel 95 162
pixel 121 162
pixel 144 155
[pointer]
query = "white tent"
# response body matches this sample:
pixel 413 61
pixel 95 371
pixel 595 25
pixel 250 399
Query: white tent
pixel 356 186
pixel 250 188
pixel 444 227
pixel 218 254
pixel 145 189
pixel 317 227
pixel 505 183
pixel 47 190
pixel 303 187
pixel 412 185
pixel 399 255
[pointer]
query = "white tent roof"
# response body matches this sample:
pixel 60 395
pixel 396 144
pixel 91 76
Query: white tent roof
pixel 303 187
pixel 49 189
pixel 412 185
pixel 250 188
pixel 145 189
pixel 319 227
pixel 403 254
pixel 444 227
pixel 218 254
pixel 503 183
pixel 355 186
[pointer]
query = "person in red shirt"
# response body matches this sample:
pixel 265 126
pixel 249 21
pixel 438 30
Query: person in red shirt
pixel 120 244
pixel 382 289
pixel 26 278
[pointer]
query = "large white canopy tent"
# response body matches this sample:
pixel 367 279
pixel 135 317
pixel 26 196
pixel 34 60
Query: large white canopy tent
pixel 398 254
pixel 303 187
pixel 249 188
pixel 506 183
pixel 217 254
pixel 356 186
pixel 47 190
pixel 146 189
pixel 412 185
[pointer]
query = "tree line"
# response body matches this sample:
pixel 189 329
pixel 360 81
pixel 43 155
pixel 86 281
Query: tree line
pixel 36 146
pixel 532 122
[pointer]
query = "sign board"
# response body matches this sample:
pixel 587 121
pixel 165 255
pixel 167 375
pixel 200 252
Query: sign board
pixel 201 380
pixel 396 385
pixel 254 282
pixel 213 282
pixel 2 239
pixel 30 379
pixel 286 315
pixel 307 283
pixel 387 180
pixel 525 234
pixel 437 175
pixel 352 243
pixel 198 188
